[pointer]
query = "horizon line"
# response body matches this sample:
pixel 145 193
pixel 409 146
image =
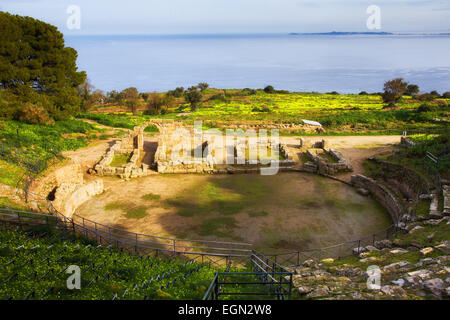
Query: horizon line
pixel 70 33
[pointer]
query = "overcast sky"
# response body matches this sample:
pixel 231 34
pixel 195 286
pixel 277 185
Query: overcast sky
pixel 235 16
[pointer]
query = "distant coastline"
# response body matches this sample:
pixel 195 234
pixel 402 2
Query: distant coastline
pixel 338 33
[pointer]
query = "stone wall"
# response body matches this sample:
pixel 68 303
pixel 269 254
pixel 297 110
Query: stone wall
pixel 132 144
pixel 409 178
pixel 407 142
pixel 383 195
pixel 278 126
pixel 69 197
pixel 322 165
pixel 69 172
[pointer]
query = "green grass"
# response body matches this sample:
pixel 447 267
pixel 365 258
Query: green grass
pixel 40 256
pixel 345 114
pixel 118 120
pixel 131 210
pixel 137 212
pixel 151 197
pixel 423 207
pixel 10 174
pixel 117 205
pixel 219 227
pixel 119 160
pixel 328 157
pixel 40 140
pixel 8 203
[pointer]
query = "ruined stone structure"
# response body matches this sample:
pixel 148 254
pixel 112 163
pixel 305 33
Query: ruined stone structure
pixel 320 162
pixel 133 145
pixel 306 126
pixel 181 151
pixel 382 194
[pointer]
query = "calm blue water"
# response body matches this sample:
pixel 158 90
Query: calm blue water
pixel 348 64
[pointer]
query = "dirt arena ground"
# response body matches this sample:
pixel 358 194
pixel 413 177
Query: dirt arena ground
pixel 276 213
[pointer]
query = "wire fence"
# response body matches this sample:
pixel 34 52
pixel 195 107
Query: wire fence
pixel 30 161
pixel 217 253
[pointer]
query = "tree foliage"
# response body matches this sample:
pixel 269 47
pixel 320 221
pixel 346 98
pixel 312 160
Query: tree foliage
pixel 203 86
pixel 269 89
pixel 412 89
pixel 394 90
pixel 37 68
pixel 194 97
pixel 158 103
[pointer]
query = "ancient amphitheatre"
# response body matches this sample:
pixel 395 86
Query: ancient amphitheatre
pixel 303 206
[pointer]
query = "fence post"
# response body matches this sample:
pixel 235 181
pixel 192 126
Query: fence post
pixel 174 246
pixel 84 228
pixel 136 246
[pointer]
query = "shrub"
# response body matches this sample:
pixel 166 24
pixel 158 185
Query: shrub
pixel 218 97
pixel 263 108
pixel 269 89
pixel 249 92
pixel 425 97
pixel 446 95
pixel 363 93
pixel 177 93
pixel 412 89
pixel 203 86
pixel 34 115
pixel 390 105
pixel 425 108
pixel 435 94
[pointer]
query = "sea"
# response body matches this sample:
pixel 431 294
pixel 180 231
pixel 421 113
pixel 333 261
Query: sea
pixel 295 62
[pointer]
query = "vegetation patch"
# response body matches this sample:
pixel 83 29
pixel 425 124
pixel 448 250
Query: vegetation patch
pixel 137 212
pixel 220 227
pixel 255 214
pixel 10 174
pixel 120 160
pixel 151 197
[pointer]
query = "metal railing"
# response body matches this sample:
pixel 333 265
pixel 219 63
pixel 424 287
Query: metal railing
pixel 266 280
pixel 219 256
pixel 342 250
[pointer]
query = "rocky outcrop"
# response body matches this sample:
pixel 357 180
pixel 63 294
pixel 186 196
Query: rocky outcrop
pixel 407 267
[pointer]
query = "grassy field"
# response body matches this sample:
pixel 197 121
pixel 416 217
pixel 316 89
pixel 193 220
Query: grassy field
pixel 35 260
pixel 339 114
